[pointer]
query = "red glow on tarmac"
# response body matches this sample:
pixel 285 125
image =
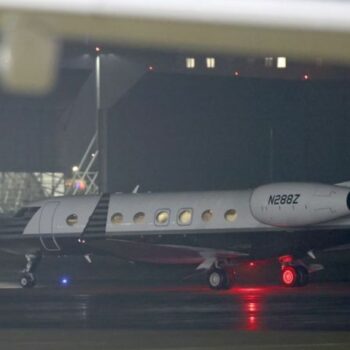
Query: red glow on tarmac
pixel 252 324
pixel 251 307
pixel 249 290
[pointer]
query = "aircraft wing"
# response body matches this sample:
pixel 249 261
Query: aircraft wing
pixel 296 28
pixel 338 248
pixel 163 254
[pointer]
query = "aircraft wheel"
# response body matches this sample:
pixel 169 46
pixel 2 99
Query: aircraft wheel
pixel 303 276
pixel 216 278
pixel 219 279
pixel 27 280
pixel 289 276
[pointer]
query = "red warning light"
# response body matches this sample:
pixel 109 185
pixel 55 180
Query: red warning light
pixel 285 259
pixel 236 73
pixel 252 264
pixel 306 77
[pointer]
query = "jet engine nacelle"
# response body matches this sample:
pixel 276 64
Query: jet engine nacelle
pixel 299 204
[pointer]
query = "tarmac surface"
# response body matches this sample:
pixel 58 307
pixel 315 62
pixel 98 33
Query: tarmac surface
pixel 317 307
pixel 107 315
pixel 116 305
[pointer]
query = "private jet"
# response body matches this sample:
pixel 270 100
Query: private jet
pixel 213 231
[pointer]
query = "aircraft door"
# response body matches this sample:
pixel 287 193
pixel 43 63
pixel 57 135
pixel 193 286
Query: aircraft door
pixel 47 238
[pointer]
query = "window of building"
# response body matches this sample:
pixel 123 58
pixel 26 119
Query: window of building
pixel 162 217
pixel 190 62
pixel 117 218
pixel 185 217
pixel 207 215
pixel 139 217
pixel 210 62
pixel 72 219
pixel 281 62
pixel 231 215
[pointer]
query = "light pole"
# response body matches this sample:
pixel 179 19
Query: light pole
pixel 101 128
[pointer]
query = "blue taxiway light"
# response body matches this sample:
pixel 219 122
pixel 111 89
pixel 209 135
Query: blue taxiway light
pixel 64 281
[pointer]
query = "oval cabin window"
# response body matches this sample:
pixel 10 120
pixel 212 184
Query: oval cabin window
pixel 117 218
pixel 139 217
pixel 162 217
pixel 72 219
pixel 231 215
pixel 207 215
pixel 185 217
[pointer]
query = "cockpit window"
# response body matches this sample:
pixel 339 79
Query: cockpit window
pixel 27 212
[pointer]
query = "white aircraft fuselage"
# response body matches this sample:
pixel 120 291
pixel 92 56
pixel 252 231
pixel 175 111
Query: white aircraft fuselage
pixel 203 228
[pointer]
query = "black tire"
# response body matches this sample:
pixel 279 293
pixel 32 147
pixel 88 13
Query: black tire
pixel 229 278
pixel 303 276
pixel 220 278
pixel 289 276
pixel 217 279
pixel 27 280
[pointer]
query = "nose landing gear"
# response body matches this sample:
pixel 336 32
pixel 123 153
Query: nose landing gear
pixel 28 279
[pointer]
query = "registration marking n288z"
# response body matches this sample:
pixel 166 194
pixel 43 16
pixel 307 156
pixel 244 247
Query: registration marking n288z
pixel 281 199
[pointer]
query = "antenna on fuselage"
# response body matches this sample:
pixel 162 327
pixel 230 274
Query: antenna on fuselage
pixel 136 189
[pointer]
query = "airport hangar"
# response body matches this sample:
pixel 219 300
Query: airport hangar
pixel 174 121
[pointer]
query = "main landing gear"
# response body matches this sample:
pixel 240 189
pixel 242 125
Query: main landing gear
pixel 28 279
pixel 221 278
pixel 293 274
